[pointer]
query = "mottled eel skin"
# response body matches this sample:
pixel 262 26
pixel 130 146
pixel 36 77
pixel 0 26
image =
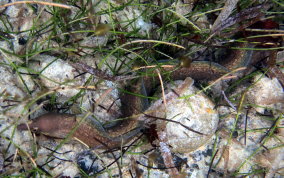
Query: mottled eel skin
pixel 60 125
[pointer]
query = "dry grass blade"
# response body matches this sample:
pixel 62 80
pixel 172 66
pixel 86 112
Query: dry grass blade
pixel 153 66
pixel 37 2
pixel 264 30
pixel 162 88
pixel 226 156
pixel 153 41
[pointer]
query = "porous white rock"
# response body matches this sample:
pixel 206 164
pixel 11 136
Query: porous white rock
pixel 266 92
pixel 25 80
pixel 11 94
pixel 54 72
pixel 65 164
pixel 130 19
pixel 230 158
pixel 197 113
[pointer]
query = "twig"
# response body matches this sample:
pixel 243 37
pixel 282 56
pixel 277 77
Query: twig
pixel 2 160
pixel 211 163
pixel 107 147
pixel 270 130
pixel 228 101
pixel 99 73
pixel 120 155
pixel 150 167
pixel 246 122
pixel 166 154
pixel 169 120
pixel 54 151
pixel 109 108
pixel 61 159
pixel 135 168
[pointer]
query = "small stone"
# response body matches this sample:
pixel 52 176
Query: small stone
pixel 22 41
pixel 88 162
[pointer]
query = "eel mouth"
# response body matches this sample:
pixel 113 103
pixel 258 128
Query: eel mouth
pixel 23 127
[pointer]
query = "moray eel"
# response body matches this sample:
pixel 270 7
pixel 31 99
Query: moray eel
pixel 58 125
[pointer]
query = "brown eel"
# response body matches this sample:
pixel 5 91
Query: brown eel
pixel 58 125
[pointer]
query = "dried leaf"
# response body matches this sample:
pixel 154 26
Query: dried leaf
pixel 225 13
pixel 240 17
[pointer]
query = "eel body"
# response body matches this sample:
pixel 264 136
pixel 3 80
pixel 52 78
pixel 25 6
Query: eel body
pixel 58 125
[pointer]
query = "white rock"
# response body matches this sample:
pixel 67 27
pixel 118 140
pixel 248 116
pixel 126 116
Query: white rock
pixel 267 93
pixel 59 167
pixel 197 113
pixel 26 80
pixel 237 154
pixel 54 73
pixel 11 94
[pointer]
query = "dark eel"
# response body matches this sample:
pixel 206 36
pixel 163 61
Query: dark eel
pixel 58 125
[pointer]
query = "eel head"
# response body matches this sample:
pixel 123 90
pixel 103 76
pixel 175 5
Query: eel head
pixel 52 125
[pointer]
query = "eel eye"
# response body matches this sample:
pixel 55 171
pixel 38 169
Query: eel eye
pixel 185 61
pixel 34 129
